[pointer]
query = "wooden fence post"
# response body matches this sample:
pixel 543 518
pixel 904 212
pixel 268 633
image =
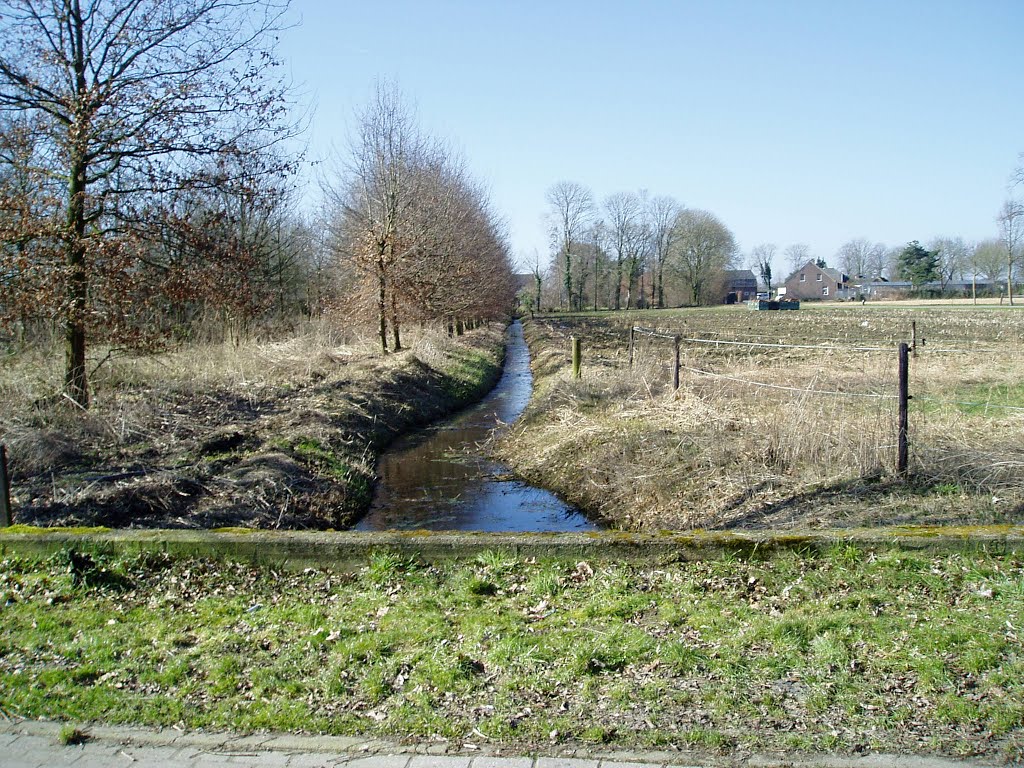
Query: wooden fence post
pixel 913 337
pixel 575 357
pixel 5 490
pixel 675 367
pixel 632 341
pixel 902 451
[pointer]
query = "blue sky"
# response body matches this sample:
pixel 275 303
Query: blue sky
pixel 812 122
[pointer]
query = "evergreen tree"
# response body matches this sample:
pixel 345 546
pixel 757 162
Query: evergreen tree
pixel 918 265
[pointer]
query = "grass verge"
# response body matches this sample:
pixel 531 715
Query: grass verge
pixel 842 652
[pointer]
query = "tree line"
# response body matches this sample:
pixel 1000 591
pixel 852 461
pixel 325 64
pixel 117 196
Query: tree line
pixel 632 249
pixel 629 250
pixel 149 189
pixel 419 232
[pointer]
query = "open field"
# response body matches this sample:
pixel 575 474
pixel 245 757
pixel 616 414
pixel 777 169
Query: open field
pixel 790 421
pixel 270 435
pixel 846 652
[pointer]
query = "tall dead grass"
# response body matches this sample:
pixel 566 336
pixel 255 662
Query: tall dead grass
pixel 751 429
pixel 47 431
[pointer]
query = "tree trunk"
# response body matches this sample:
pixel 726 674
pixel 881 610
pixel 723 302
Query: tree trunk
pixel 568 277
pixel 382 304
pixel 396 333
pixel 618 283
pixel 75 384
pixel 1009 280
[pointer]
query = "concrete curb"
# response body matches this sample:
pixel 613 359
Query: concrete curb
pixel 346 549
pixel 37 742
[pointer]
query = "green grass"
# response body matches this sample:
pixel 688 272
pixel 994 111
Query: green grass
pixel 839 652
pixel 470 374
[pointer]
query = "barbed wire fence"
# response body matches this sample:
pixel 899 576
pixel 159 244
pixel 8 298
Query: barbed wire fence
pixel 642 340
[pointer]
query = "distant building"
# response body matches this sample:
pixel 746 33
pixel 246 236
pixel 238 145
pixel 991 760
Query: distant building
pixel 738 286
pixel 814 282
pixel 894 289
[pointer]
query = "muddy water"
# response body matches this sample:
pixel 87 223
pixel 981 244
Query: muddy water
pixel 440 480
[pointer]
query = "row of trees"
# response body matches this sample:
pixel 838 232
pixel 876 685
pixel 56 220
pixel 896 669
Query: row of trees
pixel 148 188
pixel 417 230
pixel 631 250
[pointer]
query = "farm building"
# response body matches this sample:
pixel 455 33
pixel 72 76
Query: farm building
pixel 738 285
pixel 814 282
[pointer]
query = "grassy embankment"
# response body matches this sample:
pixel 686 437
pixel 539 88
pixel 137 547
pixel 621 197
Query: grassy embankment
pixel 270 435
pixel 813 447
pixel 843 652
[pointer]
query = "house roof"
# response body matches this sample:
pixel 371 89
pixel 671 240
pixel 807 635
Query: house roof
pixel 739 274
pixel 835 274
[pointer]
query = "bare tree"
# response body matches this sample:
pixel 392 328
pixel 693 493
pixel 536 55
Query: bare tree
pixel 455 265
pixel 797 255
pixel 662 213
pixel 538 277
pixel 877 261
pixel 761 261
pixel 1011 233
pixel 702 248
pixel 123 97
pixel 853 257
pixel 571 206
pixel 597 239
pixel 988 259
pixel 953 256
pixel 624 232
pixel 378 194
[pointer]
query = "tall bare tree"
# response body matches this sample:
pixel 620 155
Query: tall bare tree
pixel 537 270
pixel 625 230
pixel 124 96
pixel 662 214
pixel 1011 233
pixel 386 156
pixel 571 207
pixel 597 239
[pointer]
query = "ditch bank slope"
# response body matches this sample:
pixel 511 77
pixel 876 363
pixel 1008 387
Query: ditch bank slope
pixel 296 452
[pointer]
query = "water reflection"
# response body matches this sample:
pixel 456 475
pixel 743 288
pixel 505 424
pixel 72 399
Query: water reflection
pixel 437 479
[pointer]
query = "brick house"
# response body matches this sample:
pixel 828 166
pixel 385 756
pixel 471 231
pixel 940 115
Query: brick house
pixel 814 282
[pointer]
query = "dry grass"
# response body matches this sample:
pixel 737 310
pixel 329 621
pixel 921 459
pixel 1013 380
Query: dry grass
pixel 781 437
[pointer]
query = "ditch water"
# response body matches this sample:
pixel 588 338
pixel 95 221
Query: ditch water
pixel 439 479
